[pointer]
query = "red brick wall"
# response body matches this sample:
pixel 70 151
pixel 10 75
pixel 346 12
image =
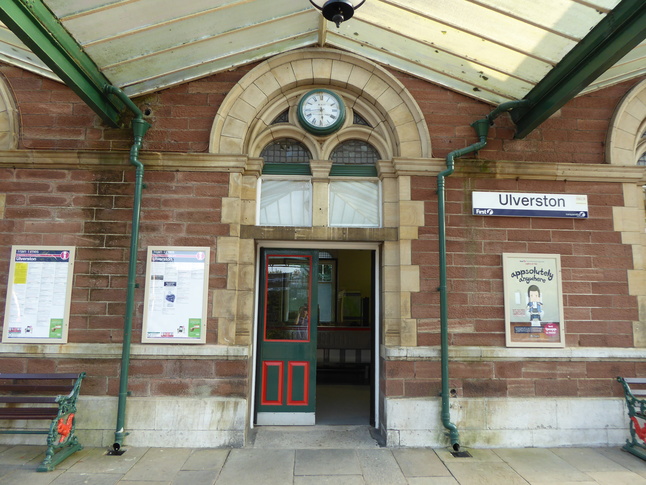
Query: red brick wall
pixel 597 307
pixel 517 378
pixel 92 210
pixel 52 116
pixel 167 377
pixel 576 133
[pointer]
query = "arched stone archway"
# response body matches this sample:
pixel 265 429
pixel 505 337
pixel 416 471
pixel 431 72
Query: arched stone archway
pixel 625 141
pixel 8 118
pixel 323 67
pixel 625 146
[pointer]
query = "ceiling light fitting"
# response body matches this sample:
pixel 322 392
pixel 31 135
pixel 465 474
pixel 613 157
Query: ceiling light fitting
pixel 338 11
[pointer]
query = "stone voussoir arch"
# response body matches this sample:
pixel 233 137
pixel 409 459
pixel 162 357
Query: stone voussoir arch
pixel 322 67
pixel 625 143
pixel 9 125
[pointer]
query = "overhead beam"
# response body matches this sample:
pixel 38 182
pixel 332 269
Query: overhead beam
pixel 41 31
pixel 613 37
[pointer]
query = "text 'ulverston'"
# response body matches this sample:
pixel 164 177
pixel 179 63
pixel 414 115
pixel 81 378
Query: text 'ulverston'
pixel 540 201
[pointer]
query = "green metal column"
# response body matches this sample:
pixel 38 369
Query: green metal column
pixel 40 30
pixel 139 128
pixel 610 40
pixel 481 128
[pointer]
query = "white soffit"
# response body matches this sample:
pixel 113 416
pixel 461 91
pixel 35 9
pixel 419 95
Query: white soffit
pixel 493 50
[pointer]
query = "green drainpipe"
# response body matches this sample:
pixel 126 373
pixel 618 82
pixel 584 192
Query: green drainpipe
pixel 139 129
pixel 481 128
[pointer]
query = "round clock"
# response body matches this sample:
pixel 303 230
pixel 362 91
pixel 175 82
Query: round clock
pixel 321 112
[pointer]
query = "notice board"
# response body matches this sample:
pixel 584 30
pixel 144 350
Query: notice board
pixel 176 295
pixel 39 290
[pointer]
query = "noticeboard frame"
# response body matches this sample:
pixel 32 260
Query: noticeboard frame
pixel 37 269
pixel 176 295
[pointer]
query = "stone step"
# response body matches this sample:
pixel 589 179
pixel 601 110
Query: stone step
pixel 313 437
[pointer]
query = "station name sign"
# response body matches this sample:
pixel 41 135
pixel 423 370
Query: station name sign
pixel 519 204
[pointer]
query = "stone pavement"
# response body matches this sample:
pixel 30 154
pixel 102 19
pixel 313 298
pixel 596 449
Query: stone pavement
pixel 345 461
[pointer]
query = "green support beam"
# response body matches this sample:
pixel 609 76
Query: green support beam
pixel 39 30
pixel 619 32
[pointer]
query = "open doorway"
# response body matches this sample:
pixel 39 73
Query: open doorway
pixel 344 382
pixel 317 315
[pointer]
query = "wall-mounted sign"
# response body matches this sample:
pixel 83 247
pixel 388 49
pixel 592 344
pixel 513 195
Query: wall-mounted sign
pixel 175 300
pixel 533 300
pixel 39 290
pixel 521 204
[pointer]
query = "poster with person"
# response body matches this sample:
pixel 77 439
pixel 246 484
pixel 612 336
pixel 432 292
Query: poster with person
pixel 533 300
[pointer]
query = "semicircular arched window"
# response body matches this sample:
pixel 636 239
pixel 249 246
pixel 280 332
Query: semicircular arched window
pixel 286 156
pixel 355 158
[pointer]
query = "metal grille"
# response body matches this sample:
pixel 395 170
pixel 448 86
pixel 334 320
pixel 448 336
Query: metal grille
pixel 355 152
pixel 286 150
pixel 281 118
pixel 360 120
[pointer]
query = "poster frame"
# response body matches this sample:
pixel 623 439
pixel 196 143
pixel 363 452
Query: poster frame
pixel 147 326
pixel 552 287
pixel 68 295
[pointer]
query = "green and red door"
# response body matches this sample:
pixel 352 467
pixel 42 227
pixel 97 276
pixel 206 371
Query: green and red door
pixel 286 373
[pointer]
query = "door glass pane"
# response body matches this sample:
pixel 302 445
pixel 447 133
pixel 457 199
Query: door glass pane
pixel 287 298
pixel 326 291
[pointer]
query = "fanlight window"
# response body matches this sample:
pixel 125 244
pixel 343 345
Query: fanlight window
pixel 354 158
pixel 286 156
pixel 355 152
pixel 286 150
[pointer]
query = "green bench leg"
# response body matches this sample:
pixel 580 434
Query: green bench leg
pixel 54 458
pixel 61 442
pixel 635 450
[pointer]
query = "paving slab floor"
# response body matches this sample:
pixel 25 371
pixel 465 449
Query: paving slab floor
pixel 320 465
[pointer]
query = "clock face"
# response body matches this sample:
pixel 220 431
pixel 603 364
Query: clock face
pixel 321 112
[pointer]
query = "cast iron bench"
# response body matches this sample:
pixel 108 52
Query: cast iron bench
pixel 635 394
pixel 52 397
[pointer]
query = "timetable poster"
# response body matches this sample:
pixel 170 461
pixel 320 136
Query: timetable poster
pixel 176 295
pixel 39 290
pixel 533 300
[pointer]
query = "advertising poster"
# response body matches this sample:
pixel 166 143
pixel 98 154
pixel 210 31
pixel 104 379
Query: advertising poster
pixel 39 289
pixel 533 300
pixel 176 295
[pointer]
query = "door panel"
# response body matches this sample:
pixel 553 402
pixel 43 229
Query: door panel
pixel 287 337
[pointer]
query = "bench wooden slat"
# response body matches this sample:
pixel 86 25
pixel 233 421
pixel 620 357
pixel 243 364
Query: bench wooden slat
pixel 28 413
pixel 28 399
pixel 36 389
pixel 635 380
pixel 39 376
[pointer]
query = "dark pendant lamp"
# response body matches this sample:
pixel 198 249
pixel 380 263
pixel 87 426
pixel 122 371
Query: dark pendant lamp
pixel 338 11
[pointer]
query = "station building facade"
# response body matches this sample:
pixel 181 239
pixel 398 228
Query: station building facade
pixel 328 242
